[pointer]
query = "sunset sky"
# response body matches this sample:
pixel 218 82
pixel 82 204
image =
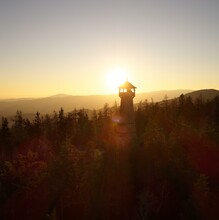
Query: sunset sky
pixel 49 46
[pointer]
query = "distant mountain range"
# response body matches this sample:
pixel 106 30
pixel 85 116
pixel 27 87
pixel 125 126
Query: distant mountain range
pixel 46 105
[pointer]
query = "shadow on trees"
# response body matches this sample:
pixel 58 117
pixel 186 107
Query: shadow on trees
pixel 67 165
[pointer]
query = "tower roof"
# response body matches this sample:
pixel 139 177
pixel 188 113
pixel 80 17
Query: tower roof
pixel 127 85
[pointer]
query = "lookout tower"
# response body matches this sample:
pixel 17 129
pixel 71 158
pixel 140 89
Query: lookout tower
pixel 126 128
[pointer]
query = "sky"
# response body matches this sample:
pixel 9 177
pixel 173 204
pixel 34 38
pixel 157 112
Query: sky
pixel 49 47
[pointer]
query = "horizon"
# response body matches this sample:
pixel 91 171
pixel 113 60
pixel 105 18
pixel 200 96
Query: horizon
pixel 49 104
pixel 104 94
pixel 61 95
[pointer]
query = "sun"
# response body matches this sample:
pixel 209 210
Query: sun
pixel 116 77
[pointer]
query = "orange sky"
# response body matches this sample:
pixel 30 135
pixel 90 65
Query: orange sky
pixel 50 47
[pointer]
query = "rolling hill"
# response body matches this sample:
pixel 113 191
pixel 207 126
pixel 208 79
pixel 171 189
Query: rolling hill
pixel 47 105
pixel 206 94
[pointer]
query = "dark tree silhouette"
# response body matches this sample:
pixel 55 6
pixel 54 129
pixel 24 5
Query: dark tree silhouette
pixel 67 165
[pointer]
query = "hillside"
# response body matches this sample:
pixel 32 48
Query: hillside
pixel 48 104
pixel 70 167
pixel 68 102
pixel 206 94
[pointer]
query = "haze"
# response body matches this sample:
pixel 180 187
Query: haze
pixel 49 47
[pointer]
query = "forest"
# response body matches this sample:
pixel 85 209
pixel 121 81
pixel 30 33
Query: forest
pixel 67 165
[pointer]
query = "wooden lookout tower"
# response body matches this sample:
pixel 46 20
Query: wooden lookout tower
pixel 126 127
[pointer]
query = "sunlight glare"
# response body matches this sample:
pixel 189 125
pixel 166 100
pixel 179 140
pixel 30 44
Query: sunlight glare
pixel 116 77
